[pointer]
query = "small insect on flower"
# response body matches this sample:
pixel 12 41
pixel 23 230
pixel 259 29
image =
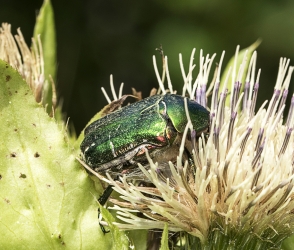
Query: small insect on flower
pixel 117 142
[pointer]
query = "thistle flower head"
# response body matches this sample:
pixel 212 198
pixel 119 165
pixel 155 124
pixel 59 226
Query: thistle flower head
pixel 241 178
pixel 28 62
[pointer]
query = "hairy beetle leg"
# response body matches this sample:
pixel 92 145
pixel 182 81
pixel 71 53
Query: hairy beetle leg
pixel 102 200
pixel 104 197
pixel 104 231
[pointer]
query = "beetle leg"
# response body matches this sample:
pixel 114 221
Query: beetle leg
pixel 104 231
pixel 102 200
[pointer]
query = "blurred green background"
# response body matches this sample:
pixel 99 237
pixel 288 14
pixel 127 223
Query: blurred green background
pixel 97 38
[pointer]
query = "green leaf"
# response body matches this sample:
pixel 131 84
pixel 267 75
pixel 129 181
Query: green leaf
pixel 47 200
pixel 45 27
pixel 164 239
pixel 121 241
pixel 288 244
pixel 138 238
pixel 240 56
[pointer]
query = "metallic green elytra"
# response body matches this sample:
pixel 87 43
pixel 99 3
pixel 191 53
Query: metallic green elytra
pixel 119 140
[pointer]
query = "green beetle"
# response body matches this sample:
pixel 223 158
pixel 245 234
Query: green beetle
pixel 117 142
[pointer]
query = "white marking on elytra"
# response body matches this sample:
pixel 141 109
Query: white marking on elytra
pixel 112 147
pixel 165 109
